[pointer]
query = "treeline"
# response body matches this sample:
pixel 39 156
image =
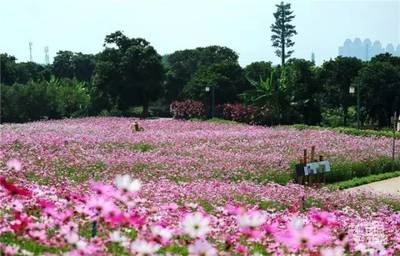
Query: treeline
pixel 130 76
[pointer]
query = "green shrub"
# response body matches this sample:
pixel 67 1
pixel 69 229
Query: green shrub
pixel 363 180
pixel 351 131
pixel 43 100
pixel 347 170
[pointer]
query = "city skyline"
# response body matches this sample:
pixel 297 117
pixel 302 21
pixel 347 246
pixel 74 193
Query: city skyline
pixel 365 49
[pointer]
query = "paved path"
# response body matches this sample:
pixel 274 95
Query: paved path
pixel 389 186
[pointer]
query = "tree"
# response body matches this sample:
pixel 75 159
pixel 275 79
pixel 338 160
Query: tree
pixel 283 31
pixel 303 90
pixel 257 71
pixel 7 69
pixel 26 71
pixel 83 66
pixel 269 94
pixel 128 72
pixel 386 57
pixel 182 65
pixel 74 65
pixel 380 91
pixel 44 99
pixel 337 76
pixel 62 64
pixel 228 79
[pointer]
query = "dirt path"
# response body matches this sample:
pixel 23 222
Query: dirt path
pixel 389 186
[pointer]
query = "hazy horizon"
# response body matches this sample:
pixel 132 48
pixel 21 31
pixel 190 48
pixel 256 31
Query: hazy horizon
pixel 244 26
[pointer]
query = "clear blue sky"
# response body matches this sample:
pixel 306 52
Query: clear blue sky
pixel 243 25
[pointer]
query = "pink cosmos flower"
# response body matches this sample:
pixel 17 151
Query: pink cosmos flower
pixel 170 206
pixel 234 209
pixel 70 227
pixel 134 219
pixel 242 249
pixel 100 205
pixel 22 220
pixel 113 215
pixel 323 217
pixel 10 250
pixel 14 164
pixel 44 203
pixel 14 189
pixel 297 236
pixel 101 189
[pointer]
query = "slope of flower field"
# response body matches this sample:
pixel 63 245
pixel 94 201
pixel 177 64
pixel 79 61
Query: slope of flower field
pixel 173 149
pixel 181 188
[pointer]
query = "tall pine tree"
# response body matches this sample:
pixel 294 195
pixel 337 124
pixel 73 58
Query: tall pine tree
pixel 283 31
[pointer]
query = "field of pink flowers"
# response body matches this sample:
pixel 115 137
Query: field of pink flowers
pixel 93 187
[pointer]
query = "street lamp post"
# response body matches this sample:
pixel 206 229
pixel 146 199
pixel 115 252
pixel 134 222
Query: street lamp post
pixel 352 91
pixel 212 88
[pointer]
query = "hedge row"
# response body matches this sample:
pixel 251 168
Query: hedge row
pixel 363 180
pixel 351 131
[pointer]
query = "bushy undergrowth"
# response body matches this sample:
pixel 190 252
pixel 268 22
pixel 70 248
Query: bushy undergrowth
pixel 348 170
pixel 351 131
pixel 245 114
pixel 187 109
pixel 364 180
pixel 41 100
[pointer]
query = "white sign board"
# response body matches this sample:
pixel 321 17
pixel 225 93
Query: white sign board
pixel 317 167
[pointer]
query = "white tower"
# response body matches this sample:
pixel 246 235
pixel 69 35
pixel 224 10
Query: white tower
pixel 46 55
pixel 30 52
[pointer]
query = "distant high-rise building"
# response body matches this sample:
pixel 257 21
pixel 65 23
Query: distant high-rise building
pixel 390 49
pixel 313 57
pixel 397 51
pixel 367 48
pixel 364 50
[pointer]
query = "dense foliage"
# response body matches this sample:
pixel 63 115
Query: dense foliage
pixel 187 109
pixel 129 76
pixel 245 114
pixel 52 99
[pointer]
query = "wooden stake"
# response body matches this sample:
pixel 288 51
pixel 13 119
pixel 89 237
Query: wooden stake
pixel 312 154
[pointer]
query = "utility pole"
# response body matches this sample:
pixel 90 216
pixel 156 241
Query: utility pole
pixel 212 101
pixel 212 88
pixel 358 105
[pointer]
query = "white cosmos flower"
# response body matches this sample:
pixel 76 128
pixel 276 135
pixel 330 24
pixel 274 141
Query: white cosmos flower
pixel 298 222
pixel 142 247
pixel 72 237
pixel 117 237
pixel 127 184
pixel 202 247
pixel 335 251
pixel 196 225
pixel 251 219
pixel 164 233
